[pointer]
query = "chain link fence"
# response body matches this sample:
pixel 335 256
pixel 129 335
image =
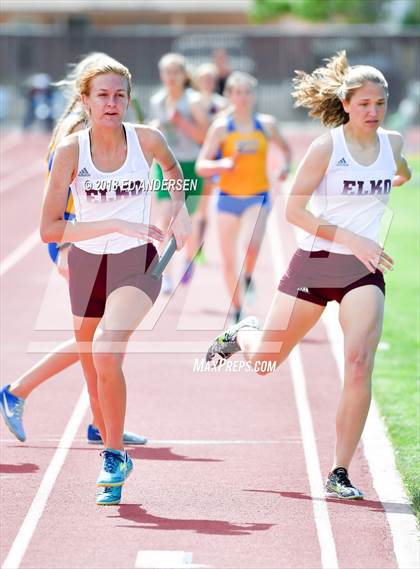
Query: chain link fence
pixel 272 56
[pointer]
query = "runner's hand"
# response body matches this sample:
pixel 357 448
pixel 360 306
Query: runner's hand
pixel 371 254
pixel 398 181
pixel 180 226
pixel 228 163
pixel 140 230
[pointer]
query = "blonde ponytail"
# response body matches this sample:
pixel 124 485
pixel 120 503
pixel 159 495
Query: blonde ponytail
pixel 65 126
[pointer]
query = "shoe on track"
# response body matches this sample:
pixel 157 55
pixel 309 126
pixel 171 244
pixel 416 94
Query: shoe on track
pixel 114 468
pixel 130 466
pixel 338 485
pixel 109 496
pixel 225 345
pixel 94 437
pixel 11 407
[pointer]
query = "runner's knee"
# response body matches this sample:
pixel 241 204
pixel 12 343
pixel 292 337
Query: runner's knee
pixel 107 348
pixel 358 365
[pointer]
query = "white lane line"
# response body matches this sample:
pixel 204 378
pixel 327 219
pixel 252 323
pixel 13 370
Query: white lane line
pixel 22 175
pixel 20 252
pixel 28 527
pixel 320 508
pixel 380 457
pixel 144 347
pixel 214 442
pixel 319 505
pixel 192 442
pixel 157 559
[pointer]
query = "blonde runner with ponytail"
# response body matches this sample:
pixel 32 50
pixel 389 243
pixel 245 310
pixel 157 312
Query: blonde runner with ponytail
pixel 74 114
pixel 65 354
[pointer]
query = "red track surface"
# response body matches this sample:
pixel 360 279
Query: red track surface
pixel 237 506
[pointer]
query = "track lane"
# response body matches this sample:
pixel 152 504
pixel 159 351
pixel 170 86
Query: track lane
pixel 203 506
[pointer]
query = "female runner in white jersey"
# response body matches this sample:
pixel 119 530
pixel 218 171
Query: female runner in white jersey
pixel 111 289
pixel 348 173
pixel 13 397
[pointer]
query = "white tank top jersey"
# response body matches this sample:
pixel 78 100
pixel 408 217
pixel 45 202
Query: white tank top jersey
pixel 352 196
pixel 111 195
pixel 184 147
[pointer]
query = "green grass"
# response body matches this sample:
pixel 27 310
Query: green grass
pixel 396 375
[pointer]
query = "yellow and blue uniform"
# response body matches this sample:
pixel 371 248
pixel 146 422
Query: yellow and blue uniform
pixel 68 214
pixel 247 183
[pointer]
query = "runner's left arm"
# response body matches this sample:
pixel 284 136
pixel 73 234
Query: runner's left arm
pixel 155 145
pixel 403 173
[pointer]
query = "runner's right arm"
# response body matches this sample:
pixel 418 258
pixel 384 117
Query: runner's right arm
pixel 206 164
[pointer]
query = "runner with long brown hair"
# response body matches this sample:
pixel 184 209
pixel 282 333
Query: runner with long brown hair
pixel 347 174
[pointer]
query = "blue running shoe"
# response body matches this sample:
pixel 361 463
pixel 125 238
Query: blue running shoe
pixel 94 437
pixel 11 408
pixel 109 496
pixel 130 466
pixel 114 468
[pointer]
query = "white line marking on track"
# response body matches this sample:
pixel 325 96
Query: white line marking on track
pixel 20 252
pixel 213 442
pixel 144 347
pixel 28 527
pixel 380 456
pixel 320 507
pixel 166 560
pixel 22 175
pixel 191 442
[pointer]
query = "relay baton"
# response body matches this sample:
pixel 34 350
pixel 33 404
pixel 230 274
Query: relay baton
pixel 164 260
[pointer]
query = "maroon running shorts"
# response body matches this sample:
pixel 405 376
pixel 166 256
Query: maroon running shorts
pixel 321 276
pixel 93 277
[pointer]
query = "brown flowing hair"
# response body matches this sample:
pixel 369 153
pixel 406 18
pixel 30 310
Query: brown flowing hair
pixel 324 90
